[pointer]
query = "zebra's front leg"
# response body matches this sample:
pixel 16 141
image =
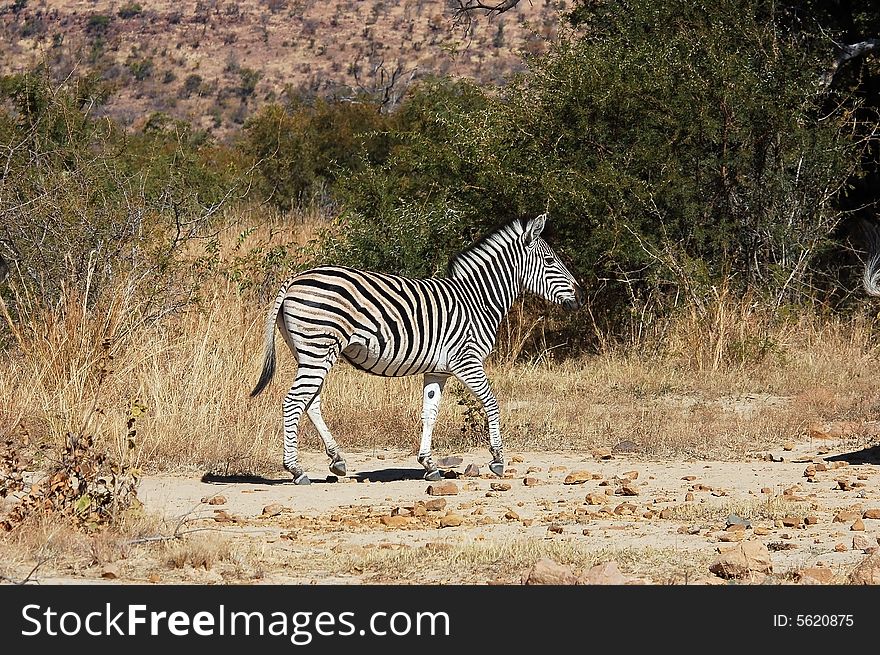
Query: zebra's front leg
pixel 473 376
pixel 337 462
pixel 431 393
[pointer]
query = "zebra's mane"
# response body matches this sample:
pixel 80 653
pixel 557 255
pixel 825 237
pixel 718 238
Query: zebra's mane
pixel 503 234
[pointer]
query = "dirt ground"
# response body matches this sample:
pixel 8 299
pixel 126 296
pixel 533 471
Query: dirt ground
pixel 661 522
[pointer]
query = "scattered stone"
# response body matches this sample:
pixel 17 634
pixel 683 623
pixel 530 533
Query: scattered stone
pixel 394 521
pixel 840 548
pixel 577 477
pixel 689 478
pixel 449 462
pixel 546 571
pixel 555 528
pixel 761 532
pixel 866 572
pixel 846 516
pixel 435 505
pixel 734 520
pixel 788 445
pixel 810 471
pixel 700 487
pixel 602 453
pixel 442 489
pixel 527 523
pixel 844 485
pixel 451 521
pixel 625 446
pixel 154 578
pixel 500 486
pixel 734 535
pixel 222 516
pixel 792 522
pixel 631 475
pixel 625 509
pixel 871 514
pixel 606 573
pixel 815 575
pixel 821 466
pixel 516 459
pixel 110 571
pixel 510 515
pixel 595 499
pixel 419 509
pixel 272 510
pixel 214 500
pixel 688 497
pixel 666 513
pixel 739 562
pixel 530 481
pixel 858 525
pixel 860 542
pixel 766 490
pixel 626 489
pixel 472 471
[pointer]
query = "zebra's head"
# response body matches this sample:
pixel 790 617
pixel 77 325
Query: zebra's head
pixel 544 274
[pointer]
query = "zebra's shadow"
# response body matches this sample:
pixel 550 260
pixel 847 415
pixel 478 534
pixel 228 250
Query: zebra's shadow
pixel 869 455
pixel 380 475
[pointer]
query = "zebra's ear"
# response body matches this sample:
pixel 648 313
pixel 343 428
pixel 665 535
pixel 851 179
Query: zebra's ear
pixel 534 227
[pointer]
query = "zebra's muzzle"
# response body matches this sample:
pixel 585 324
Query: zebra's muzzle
pixel 577 302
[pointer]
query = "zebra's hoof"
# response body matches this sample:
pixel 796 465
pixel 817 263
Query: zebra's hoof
pixel 302 479
pixel 433 476
pixel 497 468
pixel 337 467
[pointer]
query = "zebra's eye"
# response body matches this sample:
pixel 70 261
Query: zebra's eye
pixel 549 260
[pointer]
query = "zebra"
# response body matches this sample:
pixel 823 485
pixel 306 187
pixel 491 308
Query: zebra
pixel 871 274
pixel 393 326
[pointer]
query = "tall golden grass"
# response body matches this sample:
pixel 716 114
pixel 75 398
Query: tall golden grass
pixel 720 382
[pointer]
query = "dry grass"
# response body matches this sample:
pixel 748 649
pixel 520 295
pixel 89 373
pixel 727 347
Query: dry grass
pixel 695 394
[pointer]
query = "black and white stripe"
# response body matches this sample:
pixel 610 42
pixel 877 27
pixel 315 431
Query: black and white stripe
pixel 393 326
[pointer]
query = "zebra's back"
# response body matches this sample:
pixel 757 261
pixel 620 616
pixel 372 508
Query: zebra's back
pixel 383 324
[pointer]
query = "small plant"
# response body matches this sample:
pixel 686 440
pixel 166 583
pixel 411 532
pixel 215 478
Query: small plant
pixel 129 10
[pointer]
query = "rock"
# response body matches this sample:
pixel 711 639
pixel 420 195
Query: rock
pixel 606 573
pixel 688 497
pixel 530 481
pixel 860 542
pixel 449 462
pixel 625 509
pixel 222 516
pixel 733 536
pixel 866 572
pixel 110 571
pixel 666 513
pixel 451 521
pixel 435 504
pixel 844 485
pixel 745 559
pixel 419 509
pixel 214 500
pixel 555 528
pixel 626 489
pixel 510 515
pixel 788 445
pixel 602 453
pixel 858 525
pixel 810 471
pixel 272 510
pixel 154 578
pixel 760 532
pixel 846 516
pixel 577 477
pixel 840 548
pixel 625 446
pixel 815 575
pixel 733 519
pixel 444 488
pixel 472 471
pixel 394 521
pixel 546 571
pixel 766 490
pixel 516 459
pixel 500 486
pixel 689 478
pixel 792 521
pixel 595 499
pixel 871 514
pixel 811 520
pixel 631 475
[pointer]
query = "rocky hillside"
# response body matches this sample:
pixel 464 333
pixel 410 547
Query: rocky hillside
pixel 213 62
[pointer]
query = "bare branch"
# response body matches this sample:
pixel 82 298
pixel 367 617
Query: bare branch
pixel 466 8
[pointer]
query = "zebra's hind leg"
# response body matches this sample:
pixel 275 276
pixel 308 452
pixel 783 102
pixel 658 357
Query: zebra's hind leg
pixel 337 462
pixel 310 376
pixel 433 390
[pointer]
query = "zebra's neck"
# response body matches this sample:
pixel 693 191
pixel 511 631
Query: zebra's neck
pixel 489 274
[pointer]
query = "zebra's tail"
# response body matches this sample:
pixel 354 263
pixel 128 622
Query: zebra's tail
pixel 269 344
pixel 871 276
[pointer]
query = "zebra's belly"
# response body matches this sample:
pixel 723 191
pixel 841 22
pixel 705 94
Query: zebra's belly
pixel 378 358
